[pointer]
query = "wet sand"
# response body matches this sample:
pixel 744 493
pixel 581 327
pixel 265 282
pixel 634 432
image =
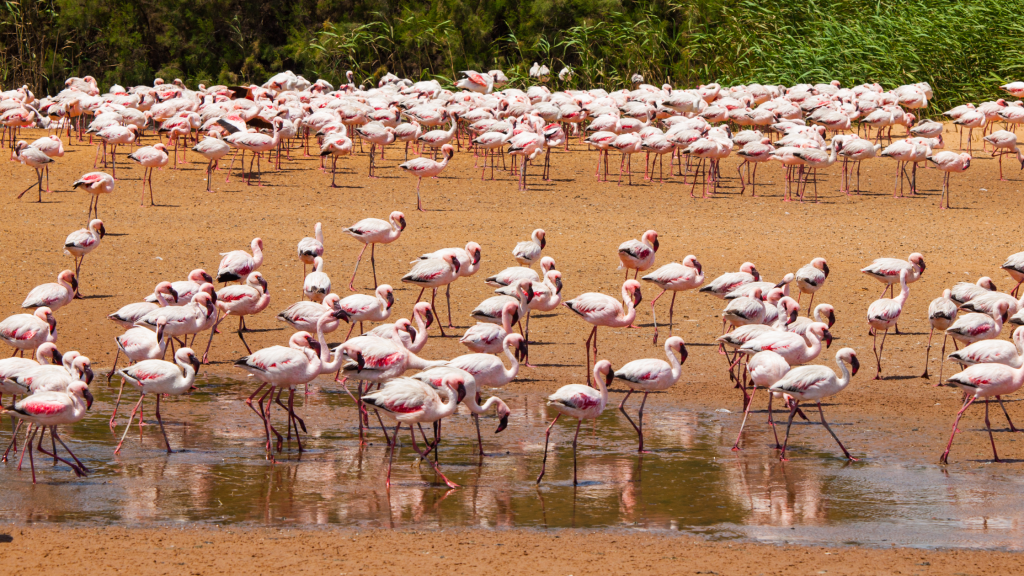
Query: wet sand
pixel 585 222
pixel 205 550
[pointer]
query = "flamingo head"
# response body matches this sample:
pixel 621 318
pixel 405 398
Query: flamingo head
pixel 632 287
pixel 750 269
pixel 831 313
pixel 1003 309
pixel 918 260
pixel 257 279
pixel 517 344
pixel 526 286
pixel 97 225
pixel 455 383
pixel 427 313
pixel 454 262
pixel 475 252
pixel 387 293
pixel 209 290
pixel 448 150
pixel 556 278
pixel 692 262
pixel 603 369
pixel 850 356
pixel 987 283
pixel 503 413
pixel 399 219
pixel 652 237
pixel 547 263
pixel 405 325
pixel 83 365
pixel 69 277
pixel 676 344
pixel 539 236
pixel 81 389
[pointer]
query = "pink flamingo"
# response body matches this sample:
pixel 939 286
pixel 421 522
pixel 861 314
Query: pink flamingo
pixel 366 308
pixel 528 252
pixel 52 147
pixel 883 314
pixel 730 281
pixel 975 326
pixel 435 378
pixel 257 144
pixel 334 146
pixel 35 158
pixel 514 274
pixel 949 162
pixel 887 270
pixel 138 344
pixel 149 157
pixel 95 183
pixel 1006 143
pixel 765 368
pixel 434 273
pixel 600 310
pixel 485 337
pixel 373 231
pixel 424 167
pixel 677 278
pixel 52 409
pixel 601 140
pixel 213 149
pixel 302 316
pixel 237 264
pixel 753 153
pixel 29 331
pixel 378 135
pixel 627 144
pixel 408 401
pixel 160 378
pixel 317 283
pixel 310 248
pixel 942 313
pixel 855 150
pixel 810 278
pixel 638 255
pixel 83 241
pixel 487 369
pixel 180 292
pixel 128 315
pixel 53 295
pixel 1014 266
pixel 651 375
pixel 414 339
pixel 240 300
pixel 114 136
pixel 983 381
pixel 815 383
pixel 580 402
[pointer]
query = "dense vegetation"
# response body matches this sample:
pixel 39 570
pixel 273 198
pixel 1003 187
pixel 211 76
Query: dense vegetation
pixel 964 49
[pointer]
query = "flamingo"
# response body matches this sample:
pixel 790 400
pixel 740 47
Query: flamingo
pixel 237 264
pixel 83 241
pixel 600 310
pixel 53 295
pixel 993 351
pixel 425 167
pixel 365 308
pixel 983 381
pixel 1014 266
pixel 128 315
pixel 514 274
pixel 528 252
pixel 35 158
pixel 138 344
pixel 810 278
pixel 823 313
pixel 975 326
pixel 440 138
pixel 765 369
pixel 414 339
pixel 213 149
pixel 730 281
pixel 435 378
pixel 378 135
pixel 334 146
pixel 302 316
pixel 310 248
pixel 161 379
pixel 487 369
pixel 407 132
pixel 627 144
pixel 292 365
pixel 1006 142
pixel 855 150
pixel 52 147
pixel 114 136
pixel 408 401
pixel 580 402
pixel 816 383
pixel 638 254
pixel 887 270
pixel 373 231
pixel 95 183
pixel 651 375
pixel 149 157
pixel 794 348
pixel 181 292
pixel 949 162
pixel 488 338
pixel 754 153
pixel 240 300
pixel 601 140
pixel 964 292
pixel 745 310
pixel 52 409
pixel 186 320
pixel 256 143
pixel 815 159
pixel 317 283
pixel 677 278
pixel 883 314
pixel 434 273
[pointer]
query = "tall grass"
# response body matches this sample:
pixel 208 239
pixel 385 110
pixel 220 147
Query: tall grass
pixel 964 49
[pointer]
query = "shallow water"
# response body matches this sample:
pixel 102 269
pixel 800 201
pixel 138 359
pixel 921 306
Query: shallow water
pixel 691 481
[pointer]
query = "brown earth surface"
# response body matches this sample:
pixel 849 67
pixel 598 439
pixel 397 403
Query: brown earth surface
pixel 585 222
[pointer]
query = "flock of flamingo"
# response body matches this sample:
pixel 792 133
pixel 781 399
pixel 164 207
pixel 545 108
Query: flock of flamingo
pixel 765 341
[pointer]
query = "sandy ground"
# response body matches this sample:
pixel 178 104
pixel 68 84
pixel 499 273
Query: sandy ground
pixel 585 222
pixel 230 551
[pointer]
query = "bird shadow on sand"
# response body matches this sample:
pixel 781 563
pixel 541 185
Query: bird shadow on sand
pixel 901 377
pixel 259 330
pixel 116 235
pixel 558 365
pixel 97 296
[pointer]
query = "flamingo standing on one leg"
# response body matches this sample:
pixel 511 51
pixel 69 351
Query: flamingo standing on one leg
pixel 816 383
pixel 374 231
pixel 581 402
pixel 95 183
pixel 941 313
pixel 310 248
pixel 425 167
pixel 434 273
pixel 601 310
pixel 651 375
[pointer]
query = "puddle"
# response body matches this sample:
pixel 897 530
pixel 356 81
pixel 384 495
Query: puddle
pixel 691 481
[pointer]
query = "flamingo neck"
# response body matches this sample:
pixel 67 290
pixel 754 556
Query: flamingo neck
pixel 844 380
pixel 677 368
pixel 513 369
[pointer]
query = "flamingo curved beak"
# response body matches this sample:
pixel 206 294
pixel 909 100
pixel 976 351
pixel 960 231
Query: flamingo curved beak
pixel 683 354
pixel 88 374
pixel 502 424
pixel 854 365
pixel 828 339
pixel 558 286
pixel 831 318
pixel 88 398
pixel 793 316
pixel 824 268
pixel 53 325
pixel 429 318
pixel 412 333
pixel 194 362
pixel 461 391
pixel 206 278
pixel 391 300
pixel 173 293
pixel 637 297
